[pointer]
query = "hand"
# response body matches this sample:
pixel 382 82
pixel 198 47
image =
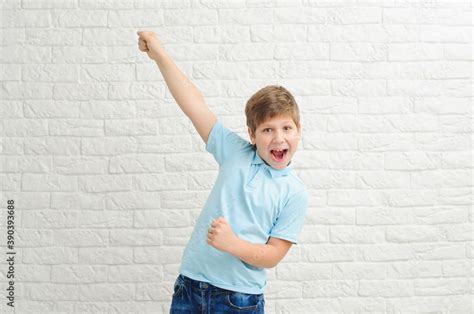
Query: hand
pixel 220 235
pixel 148 42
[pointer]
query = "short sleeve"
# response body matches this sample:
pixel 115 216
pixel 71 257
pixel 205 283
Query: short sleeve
pixel 290 221
pixel 223 143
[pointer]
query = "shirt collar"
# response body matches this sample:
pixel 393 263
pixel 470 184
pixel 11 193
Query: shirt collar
pixel 274 173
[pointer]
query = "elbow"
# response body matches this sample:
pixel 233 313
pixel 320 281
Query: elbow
pixel 275 258
pixel 271 264
pixel 263 264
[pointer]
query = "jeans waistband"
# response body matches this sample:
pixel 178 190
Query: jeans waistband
pixel 199 284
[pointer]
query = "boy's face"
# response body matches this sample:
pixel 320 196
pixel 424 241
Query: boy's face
pixel 276 140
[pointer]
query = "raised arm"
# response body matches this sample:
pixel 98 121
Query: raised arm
pixel 187 96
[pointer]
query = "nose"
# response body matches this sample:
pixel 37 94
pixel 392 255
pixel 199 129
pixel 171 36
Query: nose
pixel 278 137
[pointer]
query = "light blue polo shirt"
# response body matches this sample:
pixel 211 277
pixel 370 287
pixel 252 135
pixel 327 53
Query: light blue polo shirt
pixel 257 200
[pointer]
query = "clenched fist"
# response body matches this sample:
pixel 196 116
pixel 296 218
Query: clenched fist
pixel 149 43
pixel 221 236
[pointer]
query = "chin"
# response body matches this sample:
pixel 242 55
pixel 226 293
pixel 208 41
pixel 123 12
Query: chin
pixel 279 166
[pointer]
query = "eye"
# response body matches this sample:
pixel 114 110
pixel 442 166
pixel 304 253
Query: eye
pixel 267 130
pixel 288 128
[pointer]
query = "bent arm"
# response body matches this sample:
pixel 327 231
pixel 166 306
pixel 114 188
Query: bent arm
pixel 261 255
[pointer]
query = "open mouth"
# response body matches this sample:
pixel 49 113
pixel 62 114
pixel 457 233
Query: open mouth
pixel 279 155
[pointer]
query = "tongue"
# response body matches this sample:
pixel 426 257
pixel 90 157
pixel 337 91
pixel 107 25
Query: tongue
pixel 278 155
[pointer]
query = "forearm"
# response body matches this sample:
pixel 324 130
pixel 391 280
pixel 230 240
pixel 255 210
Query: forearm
pixel 187 96
pixel 258 255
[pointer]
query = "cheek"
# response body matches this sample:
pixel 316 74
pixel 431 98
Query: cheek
pixel 261 141
pixel 294 141
pixel 293 138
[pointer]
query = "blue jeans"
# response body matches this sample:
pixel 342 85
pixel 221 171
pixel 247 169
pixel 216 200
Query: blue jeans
pixel 192 296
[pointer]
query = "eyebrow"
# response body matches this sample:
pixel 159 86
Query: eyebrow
pixel 269 125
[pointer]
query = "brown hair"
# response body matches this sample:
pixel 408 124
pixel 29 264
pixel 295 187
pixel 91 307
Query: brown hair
pixel 269 102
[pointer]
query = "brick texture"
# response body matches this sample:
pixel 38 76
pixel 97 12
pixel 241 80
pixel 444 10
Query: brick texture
pixel 109 177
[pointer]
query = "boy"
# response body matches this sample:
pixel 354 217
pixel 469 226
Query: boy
pixel 256 208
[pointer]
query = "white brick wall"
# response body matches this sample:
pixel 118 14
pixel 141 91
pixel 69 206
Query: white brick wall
pixel 108 176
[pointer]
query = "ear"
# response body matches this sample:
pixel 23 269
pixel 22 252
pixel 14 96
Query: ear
pixel 252 136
